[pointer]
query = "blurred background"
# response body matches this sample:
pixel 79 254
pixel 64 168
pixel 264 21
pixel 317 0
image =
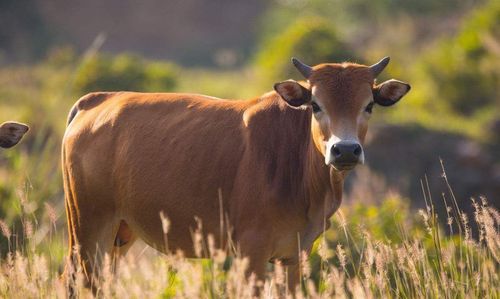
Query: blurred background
pixel 52 52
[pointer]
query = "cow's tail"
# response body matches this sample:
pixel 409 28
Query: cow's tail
pixel 72 113
pixel 69 276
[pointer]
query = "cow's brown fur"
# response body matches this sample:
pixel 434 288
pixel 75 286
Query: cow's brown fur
pixel 127 156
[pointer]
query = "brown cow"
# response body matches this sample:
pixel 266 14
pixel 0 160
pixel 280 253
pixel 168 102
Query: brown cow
pixel 278 161
pixel 11 133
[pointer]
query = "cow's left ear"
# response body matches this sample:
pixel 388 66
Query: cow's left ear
pixel 293 93
pixel 390 92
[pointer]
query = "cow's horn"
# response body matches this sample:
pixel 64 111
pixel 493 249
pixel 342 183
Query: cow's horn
pixel 303 68
pixel 378 67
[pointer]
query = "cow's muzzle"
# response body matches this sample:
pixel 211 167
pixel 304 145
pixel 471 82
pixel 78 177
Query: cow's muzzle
pixel 345 155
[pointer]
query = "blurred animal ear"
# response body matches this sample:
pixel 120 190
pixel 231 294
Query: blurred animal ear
pixel 293 93
pixel 11 132
pixel 390 92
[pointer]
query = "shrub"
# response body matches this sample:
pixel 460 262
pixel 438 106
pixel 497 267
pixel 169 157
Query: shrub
pixel 312 40
pixel 464 70
pixel 124 72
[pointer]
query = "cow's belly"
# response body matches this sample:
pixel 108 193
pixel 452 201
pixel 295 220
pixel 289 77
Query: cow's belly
pixel 188 196
pixel 185 218
pixel 185 189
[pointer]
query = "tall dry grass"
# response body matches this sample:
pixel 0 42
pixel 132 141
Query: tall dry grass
pixel 426 263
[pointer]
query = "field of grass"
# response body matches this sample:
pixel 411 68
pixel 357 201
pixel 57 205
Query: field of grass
pixel 380 250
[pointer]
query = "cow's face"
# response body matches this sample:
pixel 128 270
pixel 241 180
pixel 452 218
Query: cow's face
pixel 11 132
pixel 342 97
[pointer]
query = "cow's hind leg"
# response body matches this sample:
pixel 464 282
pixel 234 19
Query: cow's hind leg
pixel 95 247
pixel 91 238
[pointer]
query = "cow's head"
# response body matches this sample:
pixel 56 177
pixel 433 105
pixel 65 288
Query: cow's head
pixel 11 132
pixel 341 97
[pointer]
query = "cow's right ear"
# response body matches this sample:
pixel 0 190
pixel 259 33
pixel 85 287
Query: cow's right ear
pixel 11 132
pixel 293 93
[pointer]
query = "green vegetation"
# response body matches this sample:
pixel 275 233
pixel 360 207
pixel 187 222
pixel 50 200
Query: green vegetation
pixel 313 39
pixel 124 72
pixel 458 77
pixel 466 68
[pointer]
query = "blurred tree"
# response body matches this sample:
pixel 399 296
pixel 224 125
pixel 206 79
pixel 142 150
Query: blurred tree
pixel 124 72
pixel 312 40
pixel 359 20
pixel 378 10
pixel 464 71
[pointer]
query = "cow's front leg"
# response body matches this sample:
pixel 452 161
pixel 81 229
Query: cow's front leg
pixel 293 278
pixel 255 246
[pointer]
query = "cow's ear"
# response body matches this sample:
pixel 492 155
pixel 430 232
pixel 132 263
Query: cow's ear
pixel 390 92
pixel 293 93
pixel 11 132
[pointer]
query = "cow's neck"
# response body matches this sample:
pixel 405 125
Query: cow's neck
pixel 323 188
pixel 295 165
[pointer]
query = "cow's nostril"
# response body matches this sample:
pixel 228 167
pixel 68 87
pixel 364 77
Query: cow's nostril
pixel 357 150
pixel 336 151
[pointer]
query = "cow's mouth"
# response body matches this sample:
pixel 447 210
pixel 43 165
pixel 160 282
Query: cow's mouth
pixel 344 167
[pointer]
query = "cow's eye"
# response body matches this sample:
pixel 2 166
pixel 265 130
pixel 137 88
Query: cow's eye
pixel 315 107
pixel 369 107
